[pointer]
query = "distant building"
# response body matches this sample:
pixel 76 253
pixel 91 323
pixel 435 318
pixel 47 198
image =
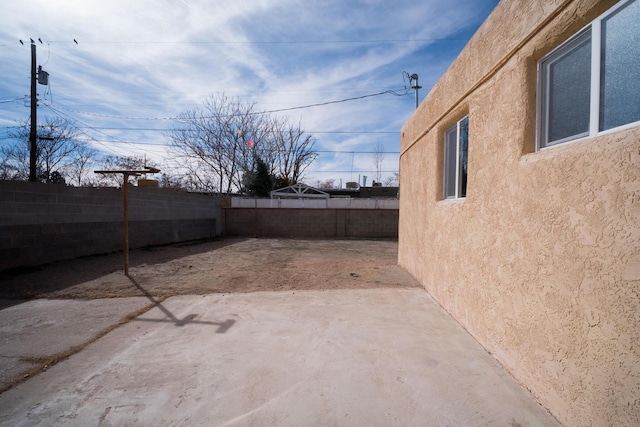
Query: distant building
pixel 299 191
pixel 365 192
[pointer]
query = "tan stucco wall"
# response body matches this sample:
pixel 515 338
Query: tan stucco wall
pixel 541 261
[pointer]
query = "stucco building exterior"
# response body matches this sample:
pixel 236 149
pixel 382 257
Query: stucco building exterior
pixel 520 200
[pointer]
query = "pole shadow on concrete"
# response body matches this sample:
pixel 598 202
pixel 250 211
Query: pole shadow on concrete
pixel 223 327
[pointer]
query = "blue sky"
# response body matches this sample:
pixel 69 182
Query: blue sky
pixel 138 63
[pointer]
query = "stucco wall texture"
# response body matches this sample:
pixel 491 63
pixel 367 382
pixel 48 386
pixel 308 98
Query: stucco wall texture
pixel 541 261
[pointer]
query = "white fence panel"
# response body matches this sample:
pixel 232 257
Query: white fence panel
pixel 333 203
pixel 340 203
pixel 388 203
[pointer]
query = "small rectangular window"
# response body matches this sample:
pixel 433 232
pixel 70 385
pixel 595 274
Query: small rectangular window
pixel 566 91
pixel 450 154
pixel 592 82
pixel 456 159
pixel 463 157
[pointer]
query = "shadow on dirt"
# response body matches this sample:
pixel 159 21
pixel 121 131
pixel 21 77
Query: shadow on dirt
pixel 23 283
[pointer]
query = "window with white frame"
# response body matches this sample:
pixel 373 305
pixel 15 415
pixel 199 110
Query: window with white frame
pixel 591 83
pixel 456 159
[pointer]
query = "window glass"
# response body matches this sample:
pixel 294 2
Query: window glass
pixel 590 85
pixel 450 144
pixel 464 157
pixel 569 88
pixel 620 65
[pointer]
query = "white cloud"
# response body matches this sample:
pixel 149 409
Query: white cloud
pixel 153 59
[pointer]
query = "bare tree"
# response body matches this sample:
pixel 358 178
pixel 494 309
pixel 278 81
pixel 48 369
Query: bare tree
pixel 378 158
pixel 79 169
pixel 14 161
pixel 215 144
pixel 59 152
pixel 393 180
pixel 327 184
pixel 218 144
pixel 169 181
pixel 291 150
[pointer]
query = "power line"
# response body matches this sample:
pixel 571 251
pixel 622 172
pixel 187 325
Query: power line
pixel 309 131
pixel 331 132
pixel 160 144
pixel 356 152
pixel 59 113
pixel 264 42
pixel 312 172
pixel 14 99
pixel 179 119
pixel 336 102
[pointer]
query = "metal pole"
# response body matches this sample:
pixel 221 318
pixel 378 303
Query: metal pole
pixel 125 193
pixel 33 135
pixel 414 77
pixel 125 205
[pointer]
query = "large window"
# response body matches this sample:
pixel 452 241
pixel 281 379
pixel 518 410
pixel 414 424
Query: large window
pixel 592 82
pixel 456 160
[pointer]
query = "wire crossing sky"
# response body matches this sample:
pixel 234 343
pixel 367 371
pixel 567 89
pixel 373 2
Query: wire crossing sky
pixel 336 66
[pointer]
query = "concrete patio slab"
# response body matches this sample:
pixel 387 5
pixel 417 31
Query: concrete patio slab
pixel 31 331
pixel 375 357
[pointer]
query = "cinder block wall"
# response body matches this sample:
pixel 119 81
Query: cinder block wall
pixel 321 223
pixel 41 223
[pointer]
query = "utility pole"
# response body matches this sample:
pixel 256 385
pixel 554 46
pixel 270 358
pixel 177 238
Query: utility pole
pixel 413 83
pixel 43 78
pixel 33 135
pixel 415 86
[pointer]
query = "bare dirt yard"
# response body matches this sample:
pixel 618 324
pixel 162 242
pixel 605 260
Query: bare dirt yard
pixel 222 265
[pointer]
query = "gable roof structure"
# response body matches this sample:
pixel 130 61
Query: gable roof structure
pixel 299 191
